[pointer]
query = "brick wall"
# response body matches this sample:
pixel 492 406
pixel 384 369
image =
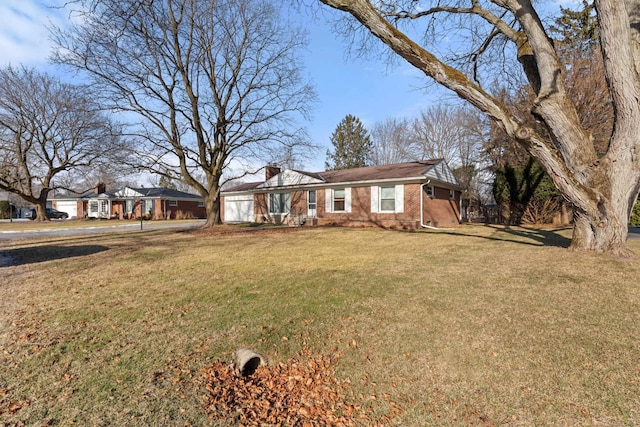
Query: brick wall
pixel 261 207
pixel 441 211
pixel 361 214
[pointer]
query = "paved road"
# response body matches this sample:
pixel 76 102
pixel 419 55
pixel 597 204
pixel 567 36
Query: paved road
pixel 634 232
pixel 6 235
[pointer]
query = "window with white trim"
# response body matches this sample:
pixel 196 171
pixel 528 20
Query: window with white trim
pixel 104 208
pixel 452 194
pixel 201 204
pixel 93 207
pixel 173 203
pixel 388 199
pixel 147 206
pixel 279 203
pixel 430 191
pixel 339 198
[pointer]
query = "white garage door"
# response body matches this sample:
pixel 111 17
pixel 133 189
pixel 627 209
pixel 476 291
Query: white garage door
pixel 238 209
pixel 70 208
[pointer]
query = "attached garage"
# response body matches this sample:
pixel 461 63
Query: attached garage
pixel 70 207
pixel 238 208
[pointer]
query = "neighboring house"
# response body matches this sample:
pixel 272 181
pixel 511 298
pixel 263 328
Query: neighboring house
pixel 14 205
pixel 128 203
pixel 404 195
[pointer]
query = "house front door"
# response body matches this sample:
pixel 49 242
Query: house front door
pixel 311 204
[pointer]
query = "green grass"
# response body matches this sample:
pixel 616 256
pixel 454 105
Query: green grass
pixel 479 326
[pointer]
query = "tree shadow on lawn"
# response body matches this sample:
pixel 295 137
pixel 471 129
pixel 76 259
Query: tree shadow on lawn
pixel 540 237
pixel 534 237
pixel 31 255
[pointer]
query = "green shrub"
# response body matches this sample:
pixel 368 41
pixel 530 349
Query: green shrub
pixel 525 193
pixel 4 209
pixel 634 221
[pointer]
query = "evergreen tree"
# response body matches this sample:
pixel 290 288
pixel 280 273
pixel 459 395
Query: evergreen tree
pixel 166 182
pixel 578 30
pixel 351 145
pixel 517 188
pixel 600 181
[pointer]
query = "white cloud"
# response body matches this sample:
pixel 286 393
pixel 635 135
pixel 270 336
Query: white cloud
pixel 571 4
pixel 24 38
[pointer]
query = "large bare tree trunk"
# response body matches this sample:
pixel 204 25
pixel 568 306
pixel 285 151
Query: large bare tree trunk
pixel 603 189
pixel 212 206
pixel 41 211
pixel 605 232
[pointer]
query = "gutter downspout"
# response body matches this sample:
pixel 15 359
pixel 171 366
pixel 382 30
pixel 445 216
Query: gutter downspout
pixel 422 224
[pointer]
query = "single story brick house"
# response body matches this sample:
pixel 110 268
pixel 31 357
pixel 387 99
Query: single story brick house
pixel 129 203
pixel 403 195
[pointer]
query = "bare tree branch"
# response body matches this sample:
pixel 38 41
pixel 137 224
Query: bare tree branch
pixel 601 189
pixel 209 81
pixel 49 132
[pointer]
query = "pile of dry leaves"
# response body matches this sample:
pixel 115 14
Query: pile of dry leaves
pixel 302 392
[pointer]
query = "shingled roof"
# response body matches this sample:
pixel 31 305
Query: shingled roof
pixel 433 169
pixel 165 193
pixel 151 192
pixel 372 173
pixel 245 186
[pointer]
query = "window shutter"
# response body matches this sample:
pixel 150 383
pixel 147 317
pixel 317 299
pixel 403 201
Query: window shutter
pixel 347 199
pixel 375 192
pixel 400 198
pixel 328 199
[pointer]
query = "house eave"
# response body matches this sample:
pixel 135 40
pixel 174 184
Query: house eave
pixel 416 179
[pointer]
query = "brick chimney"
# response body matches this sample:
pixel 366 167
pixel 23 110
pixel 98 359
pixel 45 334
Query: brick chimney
pixel 271 171
pixel 99 188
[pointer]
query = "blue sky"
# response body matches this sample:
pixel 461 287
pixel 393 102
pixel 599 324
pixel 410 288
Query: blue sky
pixel 366 88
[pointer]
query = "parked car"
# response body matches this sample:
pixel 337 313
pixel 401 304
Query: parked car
pixel 51 213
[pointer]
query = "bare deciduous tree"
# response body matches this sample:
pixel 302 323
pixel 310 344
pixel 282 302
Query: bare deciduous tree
pixel 602 188
pixel 438 132
pixel 393 142
pixel 212 83
pixel 49 129
pixel 454 134
pixel 457 135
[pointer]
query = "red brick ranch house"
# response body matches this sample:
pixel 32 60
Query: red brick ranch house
pixel 403 195
pixel 129 203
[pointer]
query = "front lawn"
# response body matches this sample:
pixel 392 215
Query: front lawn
pixel 477 326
